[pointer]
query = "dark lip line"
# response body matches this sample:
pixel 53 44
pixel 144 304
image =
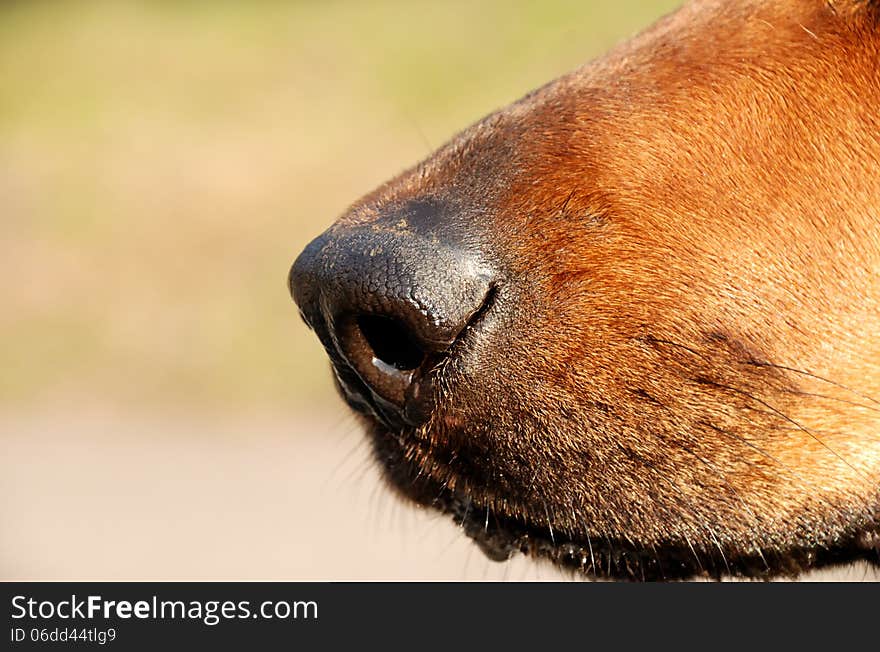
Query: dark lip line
pixel 500 536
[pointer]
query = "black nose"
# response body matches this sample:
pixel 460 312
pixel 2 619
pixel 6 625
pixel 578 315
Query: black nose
pixel 388 300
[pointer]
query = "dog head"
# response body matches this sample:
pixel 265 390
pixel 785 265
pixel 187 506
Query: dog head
pixel 630 322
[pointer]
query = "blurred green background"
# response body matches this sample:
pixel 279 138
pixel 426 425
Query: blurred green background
pixel 162 163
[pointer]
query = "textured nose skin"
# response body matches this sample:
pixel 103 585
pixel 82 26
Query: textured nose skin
pixel 385 300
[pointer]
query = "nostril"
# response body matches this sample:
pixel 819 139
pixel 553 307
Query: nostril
pixel 393 344
pixel 388 301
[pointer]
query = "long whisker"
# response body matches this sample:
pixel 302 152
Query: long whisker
pixel 757 363
pixel 760 363
pixel 834 398
pixel 720 550
pixel 761 555
pixel 467 510
pixel 549 524
pixel 691 546
pixel 659 563
pixel 532 483
pixel 357 449
pixel 797 476
pixel 718 473
pixel 745 441
pixel 610 553
pixel 708 464
pixel 785 417
pixel 592 558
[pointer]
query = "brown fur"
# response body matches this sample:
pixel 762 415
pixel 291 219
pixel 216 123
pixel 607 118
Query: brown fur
pixel 680 372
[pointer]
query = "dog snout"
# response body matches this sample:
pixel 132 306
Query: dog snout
pixel 388 302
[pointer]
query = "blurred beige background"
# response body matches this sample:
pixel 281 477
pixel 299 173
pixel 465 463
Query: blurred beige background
pixel 163 412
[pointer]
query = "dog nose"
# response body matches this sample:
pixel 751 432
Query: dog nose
pixel 388 301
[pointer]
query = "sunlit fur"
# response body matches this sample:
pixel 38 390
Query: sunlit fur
pixel 680 371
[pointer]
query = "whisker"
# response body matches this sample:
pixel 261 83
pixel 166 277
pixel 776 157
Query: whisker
pixel 610 553
pixel 567 200
pixel 796 476
pixel 757 363
pixel 760 363
pixel 442 489
pixel 417 127
pixel 549 524
pixel 356 449
pixel 745 441
pixel 467 510
pixel 761 555
pixel 784 416
pixel 696 556
pixel 763 363
pixel 720 550
pixel 659 563
pixel 650 339
pixel 592 558
pixel 358 473
pixel 727 484
pixel 834 398
pixel 532 483
pixel 689 503
pixel 708 465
